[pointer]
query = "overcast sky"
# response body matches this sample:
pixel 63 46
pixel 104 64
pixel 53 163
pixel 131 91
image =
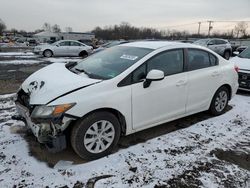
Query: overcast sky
pixel 84 15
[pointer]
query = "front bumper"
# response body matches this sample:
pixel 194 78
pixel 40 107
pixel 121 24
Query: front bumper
pixel 24 113
pixel 244 81
pixel 47 132
pixel 38 52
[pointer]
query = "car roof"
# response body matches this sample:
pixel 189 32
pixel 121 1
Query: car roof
pixel 159 44
pixel 68 41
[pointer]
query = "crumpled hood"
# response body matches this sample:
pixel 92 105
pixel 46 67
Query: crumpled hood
pixel 242 63
pixel 52 81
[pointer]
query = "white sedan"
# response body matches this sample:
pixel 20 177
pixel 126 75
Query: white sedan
pixel 63 48
pixel 242 61
pixel 123 90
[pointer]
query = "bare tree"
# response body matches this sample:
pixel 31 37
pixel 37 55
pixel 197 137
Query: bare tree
pixel 38 30
pixel 68 29
pixel 241 29
pixel 56 28
pixel 46 26
pixel 2 26
pixel 14 31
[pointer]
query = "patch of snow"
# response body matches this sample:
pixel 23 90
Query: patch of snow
pixel 154 162
pixel 62 59
pixel 21 61
pixel 16 54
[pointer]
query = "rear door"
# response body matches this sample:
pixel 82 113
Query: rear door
pixel 221 46
pixel 75 48
pixel 213 46
pixel 62 49
pixel 204 78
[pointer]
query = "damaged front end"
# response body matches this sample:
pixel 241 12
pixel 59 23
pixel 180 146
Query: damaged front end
pixel 46 122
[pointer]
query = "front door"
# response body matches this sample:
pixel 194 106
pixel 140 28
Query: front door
pixel 162 100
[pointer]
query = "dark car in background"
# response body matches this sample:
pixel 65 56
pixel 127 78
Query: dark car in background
pixel 220 46
pixel 109 45
pixel 242 61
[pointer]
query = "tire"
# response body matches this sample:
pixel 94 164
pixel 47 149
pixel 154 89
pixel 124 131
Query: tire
pixel 220 101
pixel 89 143
pixel 227 55
pixel 47 53
pixel 83 54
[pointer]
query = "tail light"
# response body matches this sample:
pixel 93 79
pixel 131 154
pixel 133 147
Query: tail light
pixel 236 68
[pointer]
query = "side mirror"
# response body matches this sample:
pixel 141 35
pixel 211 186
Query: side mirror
pixel 57 45
pixel 153 75
pixel 236 53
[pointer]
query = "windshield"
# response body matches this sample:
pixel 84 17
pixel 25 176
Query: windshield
pixel 245 53
pixel 111 62
pixel 201 42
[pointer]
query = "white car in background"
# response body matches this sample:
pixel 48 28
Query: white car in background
pixel 123 90
pixel 63 48
pixel 242 61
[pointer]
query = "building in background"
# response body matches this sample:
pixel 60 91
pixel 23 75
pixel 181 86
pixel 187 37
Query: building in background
pixel 49 37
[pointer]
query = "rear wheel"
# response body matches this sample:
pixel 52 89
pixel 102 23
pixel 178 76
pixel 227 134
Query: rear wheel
pixel 83 54
pixel 96 135
pixel 47 53
pixel 220 101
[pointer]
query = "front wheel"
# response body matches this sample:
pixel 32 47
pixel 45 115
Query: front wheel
pixel 47 53
pixel 96 135
pixel 220 101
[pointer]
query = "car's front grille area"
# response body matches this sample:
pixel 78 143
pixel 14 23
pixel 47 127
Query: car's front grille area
pixel 24 99
pixel 244 80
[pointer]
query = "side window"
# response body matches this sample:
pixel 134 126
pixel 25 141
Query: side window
pixel 65 43
pixel 170 62
pixel 75 44
pixel 197 59
pixel 220 42
pixel 139 73
pixel 211 42
pixel 213 60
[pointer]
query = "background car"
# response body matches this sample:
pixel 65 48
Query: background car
pixel 64 48
pixel 26 41
pixel 242 61
pixel 109 45
pixel 220 46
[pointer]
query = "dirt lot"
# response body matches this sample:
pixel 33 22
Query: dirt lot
pixel 16 67
pixel 197 151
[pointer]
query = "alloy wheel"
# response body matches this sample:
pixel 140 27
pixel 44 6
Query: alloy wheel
pixel 221 101
pixel 99 136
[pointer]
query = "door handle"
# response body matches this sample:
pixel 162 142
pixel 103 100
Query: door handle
pixel 181 83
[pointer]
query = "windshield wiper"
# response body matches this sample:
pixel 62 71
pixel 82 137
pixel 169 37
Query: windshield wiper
pixel 90 75
pixel 84 71
pixel 71 64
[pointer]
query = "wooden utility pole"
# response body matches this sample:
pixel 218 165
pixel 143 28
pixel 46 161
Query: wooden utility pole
pixel 210 27
pixel 199 28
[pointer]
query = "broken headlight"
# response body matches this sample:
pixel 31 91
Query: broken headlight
pixel 44 111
